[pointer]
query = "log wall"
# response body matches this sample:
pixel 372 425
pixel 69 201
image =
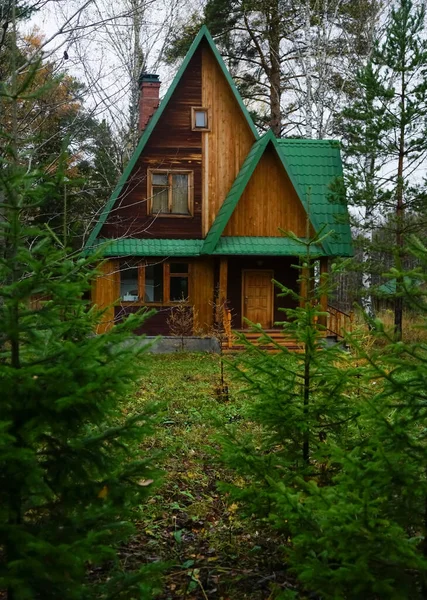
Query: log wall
pixel 172 145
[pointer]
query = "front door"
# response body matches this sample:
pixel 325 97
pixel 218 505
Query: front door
pixel 258 297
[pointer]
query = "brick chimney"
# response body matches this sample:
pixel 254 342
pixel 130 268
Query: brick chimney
pixel 149 86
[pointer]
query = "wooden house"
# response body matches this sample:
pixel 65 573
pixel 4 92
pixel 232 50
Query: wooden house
pixel 197 212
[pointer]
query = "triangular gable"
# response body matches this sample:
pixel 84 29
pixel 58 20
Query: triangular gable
pixel 202 35
pixel 240 184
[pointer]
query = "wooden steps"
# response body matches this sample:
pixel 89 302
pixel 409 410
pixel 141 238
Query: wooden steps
pixel 277 336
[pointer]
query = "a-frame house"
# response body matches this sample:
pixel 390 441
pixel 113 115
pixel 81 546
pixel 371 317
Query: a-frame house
pixel 197 212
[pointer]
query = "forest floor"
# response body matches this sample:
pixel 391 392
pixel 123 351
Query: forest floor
pixel 188 521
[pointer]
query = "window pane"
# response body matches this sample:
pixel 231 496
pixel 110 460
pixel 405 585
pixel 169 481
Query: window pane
pixel 154 283
pixel 178 288
pixel 180 194
pixel 201 118
pixel 179 267
pixel 160 200
pixel 160 178
pixel 129 284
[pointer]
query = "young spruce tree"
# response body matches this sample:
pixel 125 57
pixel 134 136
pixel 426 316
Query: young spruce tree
pixel 72 473
pixel 301 401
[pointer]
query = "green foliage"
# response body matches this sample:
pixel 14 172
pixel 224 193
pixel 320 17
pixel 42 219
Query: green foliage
pixel 72 473
pixel 301 399
pixel 355 514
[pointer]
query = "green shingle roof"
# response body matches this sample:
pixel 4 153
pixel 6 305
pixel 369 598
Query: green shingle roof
pixel 316 166
pixel 262 246
pixel 236 246
pixel 313 167
pixel 149 247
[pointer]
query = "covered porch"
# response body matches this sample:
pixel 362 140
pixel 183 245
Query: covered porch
pixel 246 293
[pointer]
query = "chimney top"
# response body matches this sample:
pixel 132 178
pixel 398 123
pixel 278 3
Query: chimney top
pixel 148 78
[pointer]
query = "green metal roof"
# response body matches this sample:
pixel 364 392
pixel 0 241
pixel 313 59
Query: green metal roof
pixel 232 246
pixel 316 166
pixel 202 35
pixel 262 246
pixel 313 167
pixel 149 247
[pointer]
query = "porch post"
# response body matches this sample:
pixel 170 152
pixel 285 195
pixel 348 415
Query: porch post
pixel 223 273
pixel 304 275
pixel 324 296
pixel 222 315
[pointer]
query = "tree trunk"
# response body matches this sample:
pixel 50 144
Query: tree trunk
pixel 398 301
pixel 275 70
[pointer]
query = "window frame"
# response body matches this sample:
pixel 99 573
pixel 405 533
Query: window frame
pixel 170 173
pixel 195 109
pixel 167 275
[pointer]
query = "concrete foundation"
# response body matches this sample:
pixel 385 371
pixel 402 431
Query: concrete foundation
pixel 170 345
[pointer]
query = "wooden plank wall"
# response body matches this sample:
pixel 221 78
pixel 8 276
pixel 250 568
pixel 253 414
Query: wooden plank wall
pixel 227 144
pixel 202 292
pixel 172 145
pixel 105 292
pixel 268 202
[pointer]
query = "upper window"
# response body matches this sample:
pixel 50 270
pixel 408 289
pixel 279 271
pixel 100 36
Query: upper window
pixel 200 119
pixel 170 192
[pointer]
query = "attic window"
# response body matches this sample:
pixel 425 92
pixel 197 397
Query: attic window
pixel 199 119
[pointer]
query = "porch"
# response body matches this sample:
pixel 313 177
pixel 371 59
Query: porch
pixel 246 294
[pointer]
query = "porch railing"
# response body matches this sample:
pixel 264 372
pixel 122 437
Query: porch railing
pixel 338 321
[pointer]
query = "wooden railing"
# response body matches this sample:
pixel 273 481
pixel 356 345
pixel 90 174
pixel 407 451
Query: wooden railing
pixel 338 321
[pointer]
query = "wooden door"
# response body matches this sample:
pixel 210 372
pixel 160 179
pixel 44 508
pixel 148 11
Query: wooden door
pixel 258 297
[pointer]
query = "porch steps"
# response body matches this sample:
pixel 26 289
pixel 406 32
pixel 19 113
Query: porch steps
pixel 277 336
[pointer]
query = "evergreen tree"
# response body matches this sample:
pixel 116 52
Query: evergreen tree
pixel 300 400
pixel 388 132
pixel 291 60
pixel 354 518
pixel 365 535
pixel 72 473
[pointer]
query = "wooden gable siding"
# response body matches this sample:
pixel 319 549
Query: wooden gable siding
pixel 228 142
pixel 268 202
pixel 172 145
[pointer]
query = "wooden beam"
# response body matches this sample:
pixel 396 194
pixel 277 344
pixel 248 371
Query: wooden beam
pixel 223 274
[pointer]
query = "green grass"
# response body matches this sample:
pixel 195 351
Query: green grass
pixel 188 522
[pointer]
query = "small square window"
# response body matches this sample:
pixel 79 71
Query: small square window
pixel 199 119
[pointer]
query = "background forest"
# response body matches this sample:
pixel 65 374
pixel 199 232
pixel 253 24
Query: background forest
pixel 321 453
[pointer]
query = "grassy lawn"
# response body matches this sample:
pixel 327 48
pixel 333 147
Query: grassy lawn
pixel 188 521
